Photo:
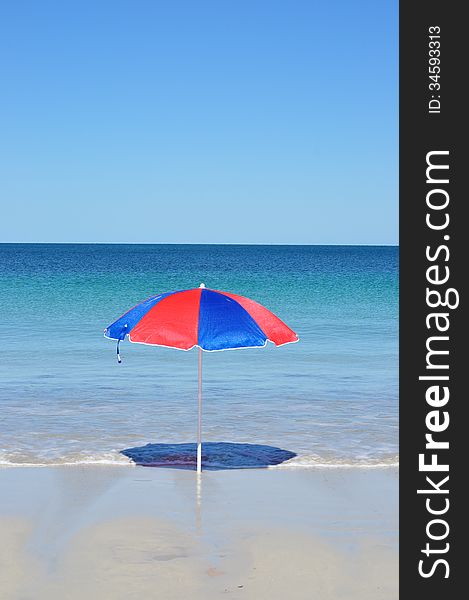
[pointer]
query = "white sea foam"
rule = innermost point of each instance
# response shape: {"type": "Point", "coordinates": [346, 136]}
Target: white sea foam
{"type": "Point", "coordinates": [118, 460]}
{"type": "Point", "coordinates": [309, 461]}
{"type": "Point", "coordinates": [315, 462]}
{"type": "Point", "coordinates": [27, 460]}
{"type": "Point", "coordinates": [112, 463]}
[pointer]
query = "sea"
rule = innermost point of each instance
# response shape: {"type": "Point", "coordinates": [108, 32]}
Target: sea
{"type": "Point", "coordinates": [328, 401]}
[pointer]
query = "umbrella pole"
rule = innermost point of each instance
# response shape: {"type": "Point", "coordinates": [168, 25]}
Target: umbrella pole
{"type": "Point", "coordinates": [199, 428]}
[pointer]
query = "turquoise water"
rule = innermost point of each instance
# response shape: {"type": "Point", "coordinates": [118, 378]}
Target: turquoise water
{"type": "Point", "coordinates": [331, 398]}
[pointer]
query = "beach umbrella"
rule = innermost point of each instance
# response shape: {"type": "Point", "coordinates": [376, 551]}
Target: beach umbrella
{"type": "Point", "coordinates": [209, 320]}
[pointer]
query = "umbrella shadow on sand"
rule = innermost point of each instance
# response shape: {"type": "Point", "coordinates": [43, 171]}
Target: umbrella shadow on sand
{"type": "Point", "coordinates": [215, 456]}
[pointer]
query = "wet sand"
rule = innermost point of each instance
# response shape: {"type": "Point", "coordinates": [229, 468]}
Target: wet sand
{"type": "Point", "coordinates": [134, 532]}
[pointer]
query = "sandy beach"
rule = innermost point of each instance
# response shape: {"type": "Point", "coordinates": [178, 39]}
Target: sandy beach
{"type": "Point", "coordinates": [135, 532]}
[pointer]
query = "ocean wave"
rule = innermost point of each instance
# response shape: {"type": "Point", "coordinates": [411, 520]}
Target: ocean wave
{"type": "Point", "coordinates": [118, 460]}
{"type": "Point", "coordinates": [16, 459]}
{"type": "Point", "coordinates": [91, 462]}
{"type": "Point", "coordinates": [314, 461]}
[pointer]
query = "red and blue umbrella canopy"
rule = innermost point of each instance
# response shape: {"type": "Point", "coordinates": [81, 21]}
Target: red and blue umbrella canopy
{"type": "Point", "coordinates": [204, 318]}
{"type": "Point", "coordinates": [207, 319]}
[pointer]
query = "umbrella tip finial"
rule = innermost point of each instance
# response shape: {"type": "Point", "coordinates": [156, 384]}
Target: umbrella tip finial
{"type": "Point", "coordinates": [202, 285]}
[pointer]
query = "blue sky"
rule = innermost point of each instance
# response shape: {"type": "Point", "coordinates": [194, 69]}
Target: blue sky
{"type": "Point", "coordinates": [248, 121]}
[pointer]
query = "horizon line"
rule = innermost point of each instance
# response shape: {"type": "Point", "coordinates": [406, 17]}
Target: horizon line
{"type": "Point", "coordinates": [389, 245]}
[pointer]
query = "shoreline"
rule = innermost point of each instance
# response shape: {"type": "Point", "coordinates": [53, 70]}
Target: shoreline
{"type": "Point", "coordinates": [5, 465]}
{"type": "Point", "coordinates": [95, 531]}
